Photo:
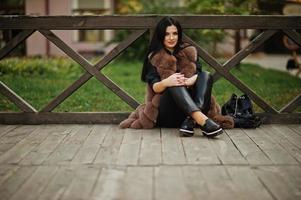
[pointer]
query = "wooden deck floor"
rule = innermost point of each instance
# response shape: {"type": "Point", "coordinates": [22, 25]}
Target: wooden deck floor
{"type": "Point", "coordinates": [105, 162]}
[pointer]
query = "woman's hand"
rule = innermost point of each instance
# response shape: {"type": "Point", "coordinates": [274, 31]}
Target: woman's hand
{"type": "Point", "coordinates": [190, 81]}
{"type": "Point", "coordinates": [176, 79]}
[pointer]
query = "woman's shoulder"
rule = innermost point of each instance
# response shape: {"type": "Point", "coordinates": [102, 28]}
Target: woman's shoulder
{"type": "Point", "coordinates": [190, 51]}
{"type": "Point", "coordinates": [155, 54]}
{"type": "Point", "coordinates": [187, 45]}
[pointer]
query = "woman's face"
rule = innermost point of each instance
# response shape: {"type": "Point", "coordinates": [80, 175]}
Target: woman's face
{"type": "Point", "coordinates": [171, 37]}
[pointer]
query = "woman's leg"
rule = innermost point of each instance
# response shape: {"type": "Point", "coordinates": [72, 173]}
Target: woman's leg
{"type": "Point", "coordinates": [202, 91]}
{"type": "Point", "coordinates": [199, 117]}
{"type": "Point", "coordinates": [184, 101]}
{"type": "Point", "coordinates": [170, 115]}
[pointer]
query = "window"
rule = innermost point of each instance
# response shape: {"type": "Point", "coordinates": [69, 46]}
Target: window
{"type": "Point", "coordinates": [89, 7]}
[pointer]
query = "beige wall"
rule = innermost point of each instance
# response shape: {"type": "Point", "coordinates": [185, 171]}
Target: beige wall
{"type": "Point", "coordinates": [37, 43]}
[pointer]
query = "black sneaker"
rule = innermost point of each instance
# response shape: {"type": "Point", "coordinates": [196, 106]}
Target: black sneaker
{"type": "Point", "coordinates": [186, 129]}
{"type": "Point", "coordinates": [211, 129]}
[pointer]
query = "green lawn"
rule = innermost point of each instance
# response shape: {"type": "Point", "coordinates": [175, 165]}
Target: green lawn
{"type": "Point", "coordinates": [38, 81]}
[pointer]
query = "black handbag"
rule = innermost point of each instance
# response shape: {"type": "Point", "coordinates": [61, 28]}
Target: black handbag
{"type": "Point", "coordinates": [241, 109]}
{"type": "Point", "coordinates": [291, 64]}
{"type": "Point", "coordinates": [238, 106]}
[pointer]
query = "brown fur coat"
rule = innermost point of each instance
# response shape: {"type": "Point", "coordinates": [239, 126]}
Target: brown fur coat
{"type": "Point", "coordinates": [166, 64]}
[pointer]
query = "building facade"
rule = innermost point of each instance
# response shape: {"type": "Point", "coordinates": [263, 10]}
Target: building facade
{"type": "Point", "coordinates": [83, 41]}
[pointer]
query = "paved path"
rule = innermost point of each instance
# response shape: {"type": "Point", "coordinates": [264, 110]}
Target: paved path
{"type": "Point", "coordinates": [271, 61]}
{"type": "Point", "coordinates": [105, 162]}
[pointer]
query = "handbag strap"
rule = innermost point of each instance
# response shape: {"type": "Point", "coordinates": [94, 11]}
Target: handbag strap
{"type": "Point", "coordinates": [236, 105]}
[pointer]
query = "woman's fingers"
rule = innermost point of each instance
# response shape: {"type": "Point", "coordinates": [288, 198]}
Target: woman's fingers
{"type": "Point", "coordinates": [176, 79]}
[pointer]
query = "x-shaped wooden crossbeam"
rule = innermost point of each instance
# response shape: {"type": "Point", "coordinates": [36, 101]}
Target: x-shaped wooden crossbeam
{"type": "Point", "coordinates": [94, 70]}
{"type": "Point", "coordinates": [224, 70]}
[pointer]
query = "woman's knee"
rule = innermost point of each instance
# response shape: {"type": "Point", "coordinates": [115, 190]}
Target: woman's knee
{"type": "Point", "coordinates": [205, 77]}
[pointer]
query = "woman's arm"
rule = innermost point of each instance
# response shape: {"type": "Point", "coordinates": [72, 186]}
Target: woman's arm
{"type": "Point", "coordinates": [176, 79]}
{"type": "Point", "coordinates": [191, 81]}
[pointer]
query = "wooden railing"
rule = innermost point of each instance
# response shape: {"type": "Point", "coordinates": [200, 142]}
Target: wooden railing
{"type": "Point", "coordinates": [141, 24]}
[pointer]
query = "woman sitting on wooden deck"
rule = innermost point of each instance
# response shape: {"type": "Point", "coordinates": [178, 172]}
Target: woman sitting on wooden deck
{"type": "Point", "coordinates": [178, 91]}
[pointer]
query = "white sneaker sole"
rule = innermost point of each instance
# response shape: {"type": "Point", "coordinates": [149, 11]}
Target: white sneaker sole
{"type": "Point", "coordinates": [186, 131]}
{"type": "Point", "coordinates": [214, 133]}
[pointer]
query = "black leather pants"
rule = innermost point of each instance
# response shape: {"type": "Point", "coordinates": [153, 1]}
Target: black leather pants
{"type": "Point", "coordinates": [202, 91]}
{"type": "Point", "coordinates": [177, 103]}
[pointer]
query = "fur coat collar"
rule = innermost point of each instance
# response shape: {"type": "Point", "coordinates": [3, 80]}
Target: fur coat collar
{"type": "Point", "coordinates": [168, 63]}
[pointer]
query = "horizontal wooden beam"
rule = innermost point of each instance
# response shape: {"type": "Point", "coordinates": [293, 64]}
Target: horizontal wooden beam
{"type": "Point", "coordinates": [63, 118]}
{"type": "Point", "coordinates": [113, 118]}
{"type": "Point", "coordinates": [281, 118]}
{"type": "Point", "coordinates": [148, 21]}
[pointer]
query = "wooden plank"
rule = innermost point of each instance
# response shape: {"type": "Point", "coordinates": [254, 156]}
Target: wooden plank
{"type": "Point", "coordinates": [248, 148]}
{"type": "Point", "coordinates": [92, 144]}
{"type": "Point", "coordinates": [170, 184]}
{"type": "Point", "coordinates": [151, 149]}
{"type": "Point", "coordinates": [14, 42]}
{"type": "Point", "coordinates": [4, 129]}
{"type": "Point", "coordinates": [11, 185]}
{"type": "Point", "coordinates": [293, 137]}
{"type": "Point", "coordinates": [60, 182]}
{"type": "Point", "coordinates": [227, 151]}
{"type": "Point", "coordinates": [113, 118]}
{"type": "Point", "coordinates": [198, 150]}
{"type": "Point", "coordinates": [109, 150]}
{"type": "Point", "coordinates": [5, 147]}
{"type": "Point", "coordinates": [292, 105]}
{"type": "Point", "coordinates": [89, 68]}
{"type": "Point", "coordinates": [39, 134]}
{"type": "Point", "coordinates": [99, 65]}
{"type": "Point", "coordinates": [35, 184]}
{"type": "Point", "coordinates": [68, 148]}
{"type": "Point", "coordinates": [40, 153]}
{"type": "Point", "coordinates": [273, 150]}
{"type": "Point", "coordinates": [16, 99]}
{"type": "Point", "coordinates": [276, 183]}
{"type": "Point", "coordinates": [148, 21]}
{"type": "Point", "coordinates": [172, 147]}
{"type": "Point", "coordinates": [6, 171]}
{"type": "Point", "coordinates": [138, 184]}
{"type": "Point", "coordinates": [218, 183]}
{"type": "Point", "coordinates": [195, 183]}
{"type": "Point", "coordinates": [295, 127]}
{"type": "Point", "coordinates": [15, 154]}
{"type": "Point", "coordinates": [292, 173]}
{"type": "Point", "coordinates": [130, 147]}
{"type": "Point", "coordinates": [21, 149]}
{"type": "Point", "coordinates": [63, 118]}
{"type": "Point", "coordinates": [246, 184]}
{"type": "Point", "coordinates": [16, 135]}
{"type": "Point", "coordinates": [82, 184]}
{"type": "Point", "coordinates": [278, 137]}
{"type": "Point", "coordinates": [109, 184]}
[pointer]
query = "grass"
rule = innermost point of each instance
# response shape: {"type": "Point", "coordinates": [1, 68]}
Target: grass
{"type": "Point", "coordinates": [277, 88]}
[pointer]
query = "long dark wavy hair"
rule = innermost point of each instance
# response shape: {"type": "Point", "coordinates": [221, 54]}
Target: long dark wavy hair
{"type": "Point", "coordinates": [158, 39]}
